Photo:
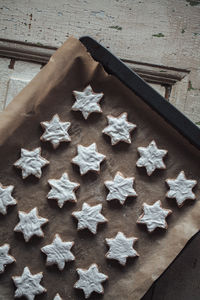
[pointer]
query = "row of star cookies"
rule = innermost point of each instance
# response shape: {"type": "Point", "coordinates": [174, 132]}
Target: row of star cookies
{"type": "Point", "coordinates": [118, 128]}
{"type": "Point", "coordinates": [87, 102]}
{"type": "Point", "coordinates": [120, 188]}
{"type": "Point", "coordinates": [29, 286]}
{"type": "Point", "coordinates": [59, 251]}
{"type": "Point", "coordinates": [56, 131]}
{"type": "Point", "coordinates": [31, 162]}
{"type": "Point", "coordinates": [89, 217]}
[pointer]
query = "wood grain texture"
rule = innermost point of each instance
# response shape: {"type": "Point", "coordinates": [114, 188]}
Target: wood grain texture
{"type": "Point", "coordinates": [166, 33]}
{"type": "Point", "coordinates": [129, 28]}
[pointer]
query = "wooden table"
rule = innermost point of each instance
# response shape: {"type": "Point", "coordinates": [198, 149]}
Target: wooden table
{"type": "Point", "coordinates": [159, 39]}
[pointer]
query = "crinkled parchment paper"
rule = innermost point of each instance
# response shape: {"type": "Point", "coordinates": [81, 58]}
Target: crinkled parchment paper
{"type": "Point", "coordinates": [72, 68]}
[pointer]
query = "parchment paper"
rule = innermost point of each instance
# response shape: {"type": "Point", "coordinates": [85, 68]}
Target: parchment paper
{"type": "Point", "coordinates": [72, 68]}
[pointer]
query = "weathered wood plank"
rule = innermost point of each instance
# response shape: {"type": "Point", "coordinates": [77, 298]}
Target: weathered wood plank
{"type": "Point", "coordinates": [165, 33]}
{"type": "Point", "coordinates": [12, 81]}
{"type": "Point", "coordinates": [5, 73]}
{"type": "Point", "coordinates": [22, 74]}
{"type": "Point", "coordinates": [160, 32]}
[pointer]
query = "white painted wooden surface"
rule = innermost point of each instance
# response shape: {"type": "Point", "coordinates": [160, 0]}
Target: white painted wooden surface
{"type": "Point", "coordinates": [5, 73]}
{"type": "Point", "coordinates": [166, 33]}
{"type": "Point", "coordinates": [12, 81]}
{"type": "Point", "coordinates": [125, 26]}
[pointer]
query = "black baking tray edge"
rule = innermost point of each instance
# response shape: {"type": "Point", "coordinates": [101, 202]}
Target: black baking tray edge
{"type": "Point", "coordinates": [116, 67]}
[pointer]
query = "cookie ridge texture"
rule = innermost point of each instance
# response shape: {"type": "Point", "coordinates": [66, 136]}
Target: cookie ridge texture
{"type": "Point", "coordinates": [151, 157]}
{"type": "Point", "coordinates": [62, 190]}
{"type": "Point", "coordinates": [89, 217]}
{"type": "Point", "coordinates": [88, 158]}
{"type": "Point", "coordinates": [28, 285]}
{"type": "Point", "coordinates": [5, 258]}
{"type": "Point", "coordinates": [181, 189]}
{"type": "Point", "coordinates": [56, 131]}
{"type": "Point", "coordinates": [30, 224]}
{"type": "Point", "coordinates": [58, 252]}
{"type": "Point", "coordinates": [87, 101]}
{"type": "Point", "coordinates": [31, 162]}
{"type": "Point", "coordinates": [119, 129]}
{"type": "Point", "coordinates": [154, 216]}
{"type": "Point", "coordinates": [120, 188]}
{"type": "Point", "coordinates": [90, 280]}
{"type": "Point", "coordinates": [6, 198]}
{"type": "Point", "coordinates": [121, 247]}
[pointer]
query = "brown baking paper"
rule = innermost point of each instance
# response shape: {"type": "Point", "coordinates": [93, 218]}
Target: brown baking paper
{"type": "Point", "coordinates": [50, 92]}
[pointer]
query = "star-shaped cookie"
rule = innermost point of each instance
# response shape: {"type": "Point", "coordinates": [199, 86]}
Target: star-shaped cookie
{"type": "Point", "coordinates": [31, 162]}
{"type": "Point", "coordinates": [30, 224]}
{"type": "Point", "coordinates": [154, 216]}
{"type": "Point", "coordinates": [88, 158]}
{"type": "Point", "coordinates": [151, 158]}
{"type": "Point", "coordinates": [89, 217]}
{"type": "Point", "coordinates": [121, 248]}
{"type": "Point", "coordinates": [181, 188]}
{"type": "Point", "coordinates": [28, 285]}
{"type": "Point", "coordinates": [119, 129]}
{"type": "Point", "coordinates": [6, 198]}
{"type": "Point", "coordinates": [58, 252]}
{"type": "Point", "coordinates": [55, 131]}
{"type": "Point", "coordinates": [62, 190]}
{"type": "Point", "coordinates": [90, 280]}
{"type": "Point", "coordinates": [57, 297]}
{"type": "Point", "coordinates": [120, 188]}
{"type": "Point", "coordinates": [87, 101]}
{"type": "Point", "coordinates": [5, 258]}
